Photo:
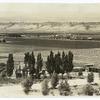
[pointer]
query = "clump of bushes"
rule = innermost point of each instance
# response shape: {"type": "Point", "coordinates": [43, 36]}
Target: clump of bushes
{"type": "Point", "coordinates": [54, 80]}
{"type": "Point", "coordinates": [90, 77]}
{"type": "Point", "coordinates": [88, 90]}
{"type": "Point", "coordinates": [27, 84]}
{"type": "Point", "coordinates": [5, 80]}
{"type": "Point", "coordinates": [64, 88]}
{"type": "Point", "coordinates": [45, 88]}
{"type": "Point", "coordinates": [97, 92]}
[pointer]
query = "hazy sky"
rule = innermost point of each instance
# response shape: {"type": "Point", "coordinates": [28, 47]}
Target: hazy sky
{"type": "Point", "coordinates": [49, 12]}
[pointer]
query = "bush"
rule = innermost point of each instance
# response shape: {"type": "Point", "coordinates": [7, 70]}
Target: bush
{"type": "Point", "coordinates": [45, 89]}
{"type": "Point", "coordinates": [64, 88]}
{"type": "Point", "coordinates": [97, 92]}
{"type": "Point", "coordinates": [3, 74]}
{"type": "Point", "coordinates": [80, 73]}
{"type": "Point", "coordinates": [54, 80]}
{"type": "Point", "coordinates": [88, 90]}
{"type": "Point", "coordinates": [99, 75]}
{"type": "Point", "coordinates": [6, 80]}
{"type": "Point", "coordinates": [90, 77]}
{"type": "Point", "coordinates": [27, 83]}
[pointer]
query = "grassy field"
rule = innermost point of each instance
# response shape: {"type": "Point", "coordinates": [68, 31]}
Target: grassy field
{"type": "Point", "coordinates": [55, 43]}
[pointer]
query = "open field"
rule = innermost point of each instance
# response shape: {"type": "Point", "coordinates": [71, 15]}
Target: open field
{"type": "Point", "coordinates": [54, 43]}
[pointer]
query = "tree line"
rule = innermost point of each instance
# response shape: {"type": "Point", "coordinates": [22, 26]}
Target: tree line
{"type": "Point", "coordinates": [58, 63]}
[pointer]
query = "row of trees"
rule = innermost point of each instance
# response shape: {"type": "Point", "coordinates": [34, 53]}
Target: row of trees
{"type": "Point", "coordinates": [34, 66]}
{"type": "Point", "coordinates": [58, 63]}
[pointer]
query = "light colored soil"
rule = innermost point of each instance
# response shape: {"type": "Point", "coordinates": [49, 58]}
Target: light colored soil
{"type": "Point", "coordinates": [76, 86]}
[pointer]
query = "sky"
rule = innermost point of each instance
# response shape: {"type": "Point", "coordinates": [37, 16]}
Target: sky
{"type": "Point", "coordinates": [37, 12]}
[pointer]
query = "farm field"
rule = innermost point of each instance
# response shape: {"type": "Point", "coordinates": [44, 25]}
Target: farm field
{"type": "Point", "coordinates": [89, 55]}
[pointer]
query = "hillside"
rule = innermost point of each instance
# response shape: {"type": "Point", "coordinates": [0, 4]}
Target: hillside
{"type": "Point", "coordinates": [58, 27]}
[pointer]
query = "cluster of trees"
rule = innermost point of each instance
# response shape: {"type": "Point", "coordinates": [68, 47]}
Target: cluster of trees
{"type": "Point", "coordinates": [59, 63]}
{"type": "Point", "coordinates": [30, 63]}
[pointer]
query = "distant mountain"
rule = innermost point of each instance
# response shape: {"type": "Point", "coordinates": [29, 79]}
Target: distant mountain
{"type": "Point", "coordinates": [58, 27]}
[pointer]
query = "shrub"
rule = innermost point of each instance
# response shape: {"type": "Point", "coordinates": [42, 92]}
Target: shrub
{"type": "Point", "coordinates": [97, 92]}
{"type": "Point", "coordinates": [45, 89]}
{"type": "Point", "coordinates": [64, 88]}
{"type": "Point", "coordinates": [3, 74]}
{"type": "Point", "coordinates": [7, 80]}
{"type": "Point", "coordinates": [88, 90]}
{"type": "Point", "coordinates": [99, 75]}
{"type": "Point", "coordinates": [80, 73]}
{"type": "Point", "coordinates": [27, 83]}
{"type": "Point", "coordinates": [54, 80]}
{"type": "Point", "coordinates": [90, 77]}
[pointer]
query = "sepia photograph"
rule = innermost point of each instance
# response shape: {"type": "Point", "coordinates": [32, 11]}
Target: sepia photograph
{"type": "Point", "coordinates": [49, 49]}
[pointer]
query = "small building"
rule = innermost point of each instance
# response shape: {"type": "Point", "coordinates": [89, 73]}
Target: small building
{"type": "Point", "coordinates": [92, 67]}
{"type": "Point", "coordinates": [77, 69]}
{"type": "Point", "coordinates": [88, 67]}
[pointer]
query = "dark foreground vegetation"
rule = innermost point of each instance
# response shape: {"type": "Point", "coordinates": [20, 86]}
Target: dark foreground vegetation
{"type": "Point", "coordinates": [35, 66]}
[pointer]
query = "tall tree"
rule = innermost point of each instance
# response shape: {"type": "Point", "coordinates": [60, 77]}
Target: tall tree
{"type": "Point", "coordinates": [66, 64]}
{"type": "Point", "coordinates": [29, 61]}
{"type": "Point", "coordinates": [33, 59]}
{"type": "Point", "coordinates": [70, 61]}
{"type": "Point", "coordinates": [63, 62]}
{"type": "Point", "coordinates": [50, 63]}
{"type": "Point", "coordinates": [26, 58]}
{"type": "Point", "coordinates": [39, 63]}
{"type": "Point", "coordinates": [32, 63]}
{"type": "Point", "coordinates": [10, 65]}
{"type": "Point", "coordinates": [63, 55]}
{"type": "Point", "coordinates": [58, 63]}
